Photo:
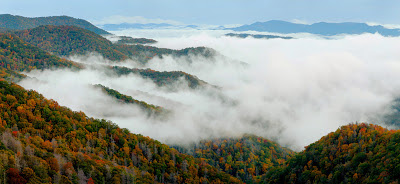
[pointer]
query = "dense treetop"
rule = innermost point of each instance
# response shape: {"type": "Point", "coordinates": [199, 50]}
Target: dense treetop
{"type": "Point", "coordinates": [129, 40]}
{"type": "Point", "coordinates": [247, 157]}
{"type": "Point", "coordinates": [17, 55]}
{"type": "Point", "coordinates": [161, 78]}
{"type": "Point", "coordinates": [356, 153]}
{"type": "Point", "coordinates": [71, 40]}
{"type": "Point", "coordinates": [10, 75]}
{"type": "Point", "coordinates": [152, 109]}
{"type": "Point", "coordinates": [44, 142]}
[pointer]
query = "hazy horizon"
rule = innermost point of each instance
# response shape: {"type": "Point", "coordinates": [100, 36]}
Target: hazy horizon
{"type": "Point", "coordinates": [222, 12]}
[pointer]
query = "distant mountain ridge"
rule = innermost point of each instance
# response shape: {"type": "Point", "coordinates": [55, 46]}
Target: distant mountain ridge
{"type": "Point", "coordinates": [116, 27]}
{"type": "Point", "coordinates": [321, 28]}
{"type": "Point", "coordinates": [257, 36]}
{"type": "Point", "coordinates": [15, 22]}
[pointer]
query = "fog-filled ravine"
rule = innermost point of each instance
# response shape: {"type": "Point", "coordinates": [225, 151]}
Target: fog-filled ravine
{"type": "Point", "coordinates": [293, 91]}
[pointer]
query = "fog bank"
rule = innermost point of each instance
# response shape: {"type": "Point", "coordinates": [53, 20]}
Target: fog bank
{"type": "Point", "coordinates": [292, 91]}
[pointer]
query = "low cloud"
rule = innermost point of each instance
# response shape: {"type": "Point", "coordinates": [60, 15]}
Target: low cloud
{"type": "Point", "coordinates": [292, 91]}
{"type": "Point", "coordinates": [299, 21]}
{"type": "Point", "coordinates": [388, 26]}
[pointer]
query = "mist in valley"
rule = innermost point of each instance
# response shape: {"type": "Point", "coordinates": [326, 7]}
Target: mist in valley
{"type": "Point", "coordinates": [291, 91]}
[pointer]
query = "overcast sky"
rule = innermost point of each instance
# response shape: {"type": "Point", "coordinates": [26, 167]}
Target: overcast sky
{"type": "Point", "coordinates": [215, 12]}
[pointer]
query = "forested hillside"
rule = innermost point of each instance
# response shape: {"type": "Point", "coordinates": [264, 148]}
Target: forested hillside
{"type": "Point", "coordinates": [152, 109]}
{"type": "Point", "coordinates": [43, 142]}
{"type": "Point", "coordinates": [356, 153]}
{"type": "Point", "coordinates": [71, 40]}
{"type": "Point", "coordinates": [247, 157]}
{"type": "Point", "coordinates": [144, 53]}
{"type": "Point", "coordinates": [17, 55]}
{"type": "Point", "coordinates": [11, 75]}
{"type": "Point", "coordinates": [162, 78]}
{"type": "Point", "coordinates": [15, 22]}
{"type": "Point", "coordinates": [129, 40]}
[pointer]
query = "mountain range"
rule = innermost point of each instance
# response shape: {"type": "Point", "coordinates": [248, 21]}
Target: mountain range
{"type": "Point", "coordinates": [42, 141]}
{"type": "Point", "coordinates": [258, 36]}
{"type": "Point", "coordinates": [321, 28]}
{"type": "Point", "coordinates": [122, 26]}
{"type": "Point", "coordinates": [71, 40]}
{"type": "Point", "coordinates": [274, 26]}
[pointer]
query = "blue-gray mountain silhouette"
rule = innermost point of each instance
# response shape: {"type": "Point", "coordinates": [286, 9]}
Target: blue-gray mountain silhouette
{"type": "Point", "coordinates": [321, 28]}
{"type": "Point", "coordinates": [122, 26]}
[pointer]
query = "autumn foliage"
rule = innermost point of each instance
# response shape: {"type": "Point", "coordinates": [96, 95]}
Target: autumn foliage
{"type": "Point", "coordinates": [41, 141]}
{"type": "Point", "coordinates": [17, 55]}
{"type": "Point", "coordinates": [72, 40]}
{"type": "Point", "coordinates": [247, 157]}
{"type": "Point", "coordinates": [356, 153]}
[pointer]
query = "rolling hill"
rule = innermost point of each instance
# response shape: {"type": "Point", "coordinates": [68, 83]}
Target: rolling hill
{"type": "Point", "coordinates": [161, 78]}
{"type": "Point", "coordinates": [247, 157]}
{"type": "Point", "coordinates": [356, 153]}
{"type": "Point", "coordinates": [15, 22]}
{"type": "Point", "coordinates": [17, 56]}
{"type": "Point", "coordinates": [130, 41]}
{"type": "Point", "coordinates": [43, 142]}
{"type": "Point", "coordinates": [151, 109]}
{"type": "Point", "coordinates": [72, 40]}
{"type": "Point", "coordinates": [321, 28]}
{"type": "Point", "coordinates": [258, 36]}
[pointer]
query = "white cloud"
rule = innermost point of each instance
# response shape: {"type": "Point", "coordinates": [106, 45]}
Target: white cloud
{"type": "Point", "coordinates": [388, 26]}
{"type": "Point", "coordinates": [298, 21]}
{"type": "Point", "coordinates": [118, 19]}
{"type": "Point", "coordinates": [293, 91]}
{"type": "Point", "coordinates": [232, 25]}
